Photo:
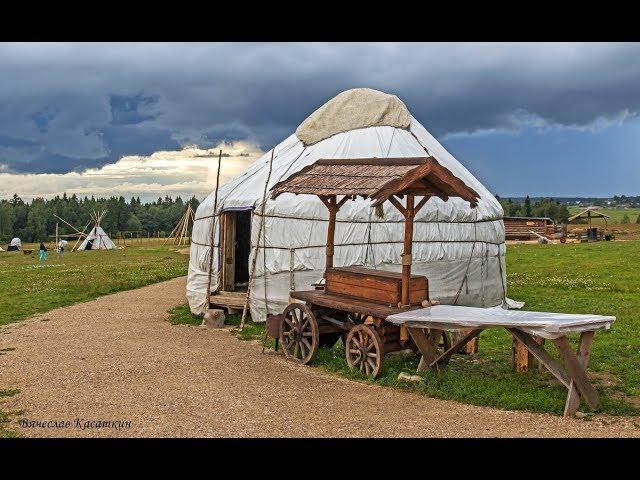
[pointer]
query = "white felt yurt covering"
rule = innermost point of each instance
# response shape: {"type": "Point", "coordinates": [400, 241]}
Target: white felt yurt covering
{"type": "Point", "coordinates": [100, 240]}
{"type": "Point", "coordinates": [461, 250]}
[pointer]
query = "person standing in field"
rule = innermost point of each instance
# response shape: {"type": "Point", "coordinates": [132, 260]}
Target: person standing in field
{"type": "Point", "coordinates": [43, 252]}
{"type": "Point", "coordinates": [61, 246]}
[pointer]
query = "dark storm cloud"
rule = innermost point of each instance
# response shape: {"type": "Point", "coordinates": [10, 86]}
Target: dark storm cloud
{"type": "Point", "coordinates": [72, 106]}
{"type": "Point", "coordinates": [126, 109]}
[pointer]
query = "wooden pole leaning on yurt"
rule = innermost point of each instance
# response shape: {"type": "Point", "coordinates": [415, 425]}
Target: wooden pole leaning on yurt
{"type": "Point", "coordinates": [213, 231]}
{"type": "Point", "coordinates": [255, 250]}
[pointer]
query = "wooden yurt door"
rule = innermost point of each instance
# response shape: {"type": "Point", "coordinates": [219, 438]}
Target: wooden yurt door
{"type": "Point", "coordinates": [228, 236]}
{"type": "Point", "coordinates": [235, 248]}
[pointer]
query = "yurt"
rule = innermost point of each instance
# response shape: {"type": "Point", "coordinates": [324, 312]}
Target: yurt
{"type": "Point", "coordinates": [461, 250]}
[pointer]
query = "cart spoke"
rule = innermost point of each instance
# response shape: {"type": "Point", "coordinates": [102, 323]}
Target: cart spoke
{"type": "Point", "coordinates": [288, 321]}
{"type": "Point", "coordinates": [304, 325]}
{"type": "Point", "coordinates": [305, 342]}
{"type": "Point", "coordinates": [371, 363]}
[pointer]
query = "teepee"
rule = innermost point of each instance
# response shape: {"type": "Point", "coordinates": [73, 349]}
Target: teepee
{"type": "Point", "coordinates": [97, 239]}
{"type": "Point", "coordinates": [181, 233]}
{"type": "Point", "coordinates": [461, 250]}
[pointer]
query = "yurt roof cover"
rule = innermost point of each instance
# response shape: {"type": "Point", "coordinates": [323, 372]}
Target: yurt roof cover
{"type": "Point", "coordinates": [351, 110]}
{"type": "Point", "coordinates": [378, 179]}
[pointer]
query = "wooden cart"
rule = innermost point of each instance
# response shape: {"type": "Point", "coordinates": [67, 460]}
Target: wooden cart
{"type": "Point", "coordinates": [356, 300]}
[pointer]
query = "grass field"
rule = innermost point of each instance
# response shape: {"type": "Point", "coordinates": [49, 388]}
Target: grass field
{"type": "Point", "coordinates": [598, 278]}
{"type": "Point", "coordinates": [28, 286]}
{"type": "Point", "coordinates": [594, 277]}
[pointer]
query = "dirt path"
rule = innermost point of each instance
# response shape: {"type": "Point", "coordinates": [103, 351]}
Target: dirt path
{"type": "Point", "coordinates": [116, 358]}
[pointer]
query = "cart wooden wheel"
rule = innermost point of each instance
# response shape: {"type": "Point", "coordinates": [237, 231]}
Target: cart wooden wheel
{"type": "Point", "coordinates": [299, 333]}
{"type": "Point", "coordinates": [364, 350]}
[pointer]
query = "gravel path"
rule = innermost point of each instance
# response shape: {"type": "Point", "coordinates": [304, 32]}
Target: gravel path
{"type": "Point", "coordinates": [118, 359]}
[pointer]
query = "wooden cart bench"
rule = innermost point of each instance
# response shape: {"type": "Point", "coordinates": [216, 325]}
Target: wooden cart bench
{"type": "Point", "coordinates": [426, 324]}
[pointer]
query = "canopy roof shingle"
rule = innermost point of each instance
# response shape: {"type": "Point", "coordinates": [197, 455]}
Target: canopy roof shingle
{"type": "Point", "coordinates": [378, 179]}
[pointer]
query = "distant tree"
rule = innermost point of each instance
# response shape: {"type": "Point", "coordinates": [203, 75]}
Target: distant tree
{"type": "Point", "coordinates": [133, 223]}
{"type": "Point", "coordinates": [35, 221]}
{"type": "Point", "coordinates": [527, 207]}
{"type": "Point", "coordinates": [6, 220]}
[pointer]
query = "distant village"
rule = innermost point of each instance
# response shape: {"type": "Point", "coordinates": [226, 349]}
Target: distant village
{"type": "Point", "coordinates": [617, 201]}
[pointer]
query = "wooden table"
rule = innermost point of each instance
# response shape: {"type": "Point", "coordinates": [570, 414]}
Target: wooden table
{"type": "Point", "coordinates": [426, 325]}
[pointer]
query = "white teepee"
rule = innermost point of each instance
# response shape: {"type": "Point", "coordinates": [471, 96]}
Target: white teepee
{"type": "Point", "coordinates": [461, 250]}
{"type": "Point", "coordinates": [97, 239]}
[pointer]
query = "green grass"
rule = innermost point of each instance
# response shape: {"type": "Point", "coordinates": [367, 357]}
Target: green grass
{"type": "Point", "coordinates": [601, 278]}
{"type": "Point", "coordinates": [28, 287]}
{"type": "Point", "coordinates": [5, 417]}
{"type": "Point", "coordinates": [181, 315]}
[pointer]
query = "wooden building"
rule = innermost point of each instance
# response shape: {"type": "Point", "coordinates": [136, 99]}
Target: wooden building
{"type": "Point", "coordinates": [526, 228]}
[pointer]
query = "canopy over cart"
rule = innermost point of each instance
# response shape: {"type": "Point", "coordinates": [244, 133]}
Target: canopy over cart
{"type": "Point", "coordinates": [357, 300]}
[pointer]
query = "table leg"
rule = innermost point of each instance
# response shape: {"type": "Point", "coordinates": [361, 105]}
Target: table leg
{"type": "Point", "coordinates": [584, 350]}
{"type": "Point", "coordinates": [542, 356]}
{"type": "Point", "coordinates": [444, 358]}
{"type": "Point", "coordinates": [427, 344]}
{"type": "Point", "coordinates": [577, 371]}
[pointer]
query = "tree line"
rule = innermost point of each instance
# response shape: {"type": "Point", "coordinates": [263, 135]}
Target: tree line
{"type": "Point", "coordinates": [545, 207]}
{"type": "Point", "coordinates": [35, 221]}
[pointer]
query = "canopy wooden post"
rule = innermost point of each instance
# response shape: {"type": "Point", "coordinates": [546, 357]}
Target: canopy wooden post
{"type": "Point", "coordinates": [331, 230]}
{"type": "Point", "coordinates": [406, 253]}
{"type": "Point", "coordinates": [332, 204]}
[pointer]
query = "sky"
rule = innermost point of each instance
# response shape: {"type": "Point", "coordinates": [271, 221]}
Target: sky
{"type": "Point", "coordinates": [544, 119]}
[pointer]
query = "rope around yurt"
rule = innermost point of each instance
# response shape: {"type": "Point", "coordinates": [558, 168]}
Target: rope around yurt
{"type": "Point", "coordinates": [255, 250]}
{"type": "Point", "coordinates": [213, 231]}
